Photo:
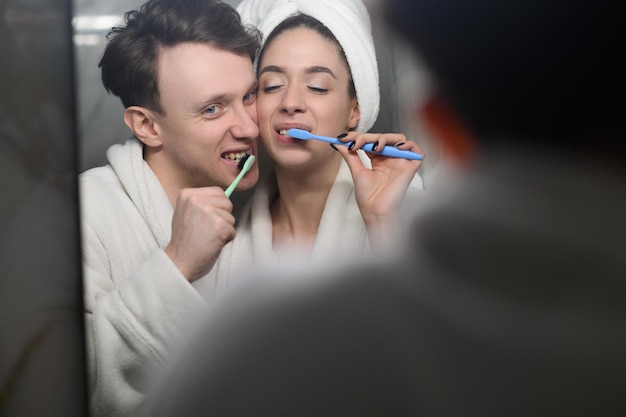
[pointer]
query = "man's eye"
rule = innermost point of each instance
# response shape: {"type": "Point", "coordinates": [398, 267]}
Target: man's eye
{"type": "Point", "coordinates": [212, 109]}
{"type": "Point", "coordinates": [250, 96]}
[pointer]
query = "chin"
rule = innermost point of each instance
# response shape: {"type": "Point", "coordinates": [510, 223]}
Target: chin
{"type": "Point", "coordinates": [248, 181]}
{"type": "Point", "coordinates": [292, 158]}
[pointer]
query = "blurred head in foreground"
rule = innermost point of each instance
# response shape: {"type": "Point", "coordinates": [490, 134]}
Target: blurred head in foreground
{"type": "Point", "coordinates": [508, 300]}
{"type": "Point", "coordinates": [536, 72]}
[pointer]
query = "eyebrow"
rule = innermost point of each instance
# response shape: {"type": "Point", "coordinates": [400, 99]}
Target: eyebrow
{"type": "Point", "coordinates": [310, 70]}
{"type": "Point", "coordinates": [224, 96]}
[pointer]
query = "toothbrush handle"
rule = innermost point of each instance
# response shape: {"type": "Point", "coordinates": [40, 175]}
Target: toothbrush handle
{"type": "Point", "coordinates": [234, 184]}
{"type": "Point", "coordinates": [386, 151]}
{"type": "Point", "coordinates": [393, 152]}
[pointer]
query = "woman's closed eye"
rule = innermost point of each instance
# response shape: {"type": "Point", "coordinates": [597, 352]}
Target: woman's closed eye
{"type": "Point", "coordinates": [317, 90]}
{"type": "Point", "coordinates": [271, 88]}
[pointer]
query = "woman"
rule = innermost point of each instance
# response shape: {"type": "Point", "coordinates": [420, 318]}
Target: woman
{"type": "Point", "coordinates": [317, 71]}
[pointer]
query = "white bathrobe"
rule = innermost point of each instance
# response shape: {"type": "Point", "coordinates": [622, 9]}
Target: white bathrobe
{"type": "Point", "coordinates": [137, 303]}
{"type": "Point", "coordinates": [136, 300]}
{"type": "Point", "coordinates": [342, 234]}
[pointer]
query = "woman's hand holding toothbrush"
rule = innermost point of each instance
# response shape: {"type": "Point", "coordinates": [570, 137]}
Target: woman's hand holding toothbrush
{"type": "Point", "coordinates": [380, 190]}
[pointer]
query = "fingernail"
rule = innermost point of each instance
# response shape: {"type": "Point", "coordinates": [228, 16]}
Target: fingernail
{"type": "Point", "coordinates": [375, 146]}
{"type": "Point", "coordinates": [343, 135]}
{"type": "Point", "coordinates": [400, 144]}
{"type": "Point", "coordinates": [351, 146]}
{"type": "Point", "coordinates": [334, 147]}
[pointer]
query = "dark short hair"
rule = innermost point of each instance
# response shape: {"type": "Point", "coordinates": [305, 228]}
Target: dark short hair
{"type": "Point", "coordinates": [309, 22]}
{"type": "Point", "coordinates": [522, 68]}
{"type": "Point", "coordinates": [129, 62]}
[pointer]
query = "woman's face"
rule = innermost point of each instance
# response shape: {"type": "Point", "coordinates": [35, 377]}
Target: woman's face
{"type": "Point", "coordinates": [303, 83]}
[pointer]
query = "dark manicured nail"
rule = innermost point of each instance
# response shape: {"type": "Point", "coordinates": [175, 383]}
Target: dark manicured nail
{"type": "Point", "coordinates": [375, 146]}
{"type": "Point", "coordinates": [343, 135]}
{"type": "Point", "coordinates": [351, 146]}
{"type": "Point", "coordinates": [334, 147]}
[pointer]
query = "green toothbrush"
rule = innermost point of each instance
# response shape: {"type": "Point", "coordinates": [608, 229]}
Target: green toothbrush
{"type": "Point", "coordinates": [247, 164]}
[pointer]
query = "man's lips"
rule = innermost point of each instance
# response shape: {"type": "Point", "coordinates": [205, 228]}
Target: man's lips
{"type": "Point", "coordinates": [235, 157]}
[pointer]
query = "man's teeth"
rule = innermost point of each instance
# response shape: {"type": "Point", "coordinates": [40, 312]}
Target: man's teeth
{"type": "Point", "coordinates": [235, 157]}
{"type": "Point", "coordinates": [284, 132]}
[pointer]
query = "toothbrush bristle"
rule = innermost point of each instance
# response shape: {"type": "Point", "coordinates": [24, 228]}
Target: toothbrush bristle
{"type": "Point", "coordinates": [242, 162]}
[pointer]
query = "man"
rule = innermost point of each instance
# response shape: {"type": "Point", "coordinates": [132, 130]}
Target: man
{"type": "Point", "coordinates": [156, 217]}
{"type": "Point", "coordinates": [509, 298]}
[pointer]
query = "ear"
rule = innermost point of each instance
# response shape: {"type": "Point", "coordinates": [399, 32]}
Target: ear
{"type": "Point", "coordinates": [456, 139]}
{"type": "Point", "coordinates": [355, 114]}
{"type": "Point", "coordinates": [142, 123]}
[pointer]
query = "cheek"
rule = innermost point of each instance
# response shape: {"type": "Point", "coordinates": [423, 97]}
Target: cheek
{"type": "Point", "coordinates": [253, 112]}
{"type": "Point", "coordinates": [171, 133]}
{"type": "Point", "coordinates": [333, 116]}
{"type": "Point", "coordinates": [265, 106]}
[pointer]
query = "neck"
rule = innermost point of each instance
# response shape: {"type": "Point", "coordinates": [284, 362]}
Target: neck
{"type": "Point", "coordinates": [168, 182]}
{"type": "Point", "coordinates": [299, 204]}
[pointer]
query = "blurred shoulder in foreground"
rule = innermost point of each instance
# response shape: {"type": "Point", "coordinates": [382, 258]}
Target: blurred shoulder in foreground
{"type": "Point", "coordinates": [508, 297]}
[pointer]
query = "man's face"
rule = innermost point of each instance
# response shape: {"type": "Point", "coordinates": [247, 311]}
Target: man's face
{"type": "Point", "coordinates": [209, 99]}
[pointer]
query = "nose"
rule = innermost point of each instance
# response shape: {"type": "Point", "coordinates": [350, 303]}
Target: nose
{"type": "Point", "coordinates": [292, 100]}
{"type": "Point", "coordinates": [245, 125]}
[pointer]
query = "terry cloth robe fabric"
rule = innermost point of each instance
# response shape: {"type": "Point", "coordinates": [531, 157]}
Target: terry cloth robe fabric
{"type": "Point", "coordinates": [136, 300]}
{"type": "Point", "coordinates": [341, 235]}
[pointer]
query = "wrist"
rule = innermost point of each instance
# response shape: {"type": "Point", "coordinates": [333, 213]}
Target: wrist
{"type": "Point", "coordinates": [172, 253]}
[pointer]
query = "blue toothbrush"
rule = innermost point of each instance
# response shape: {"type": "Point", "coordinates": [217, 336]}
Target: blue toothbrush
{"type": "Point", "coordinates": [387, 150]}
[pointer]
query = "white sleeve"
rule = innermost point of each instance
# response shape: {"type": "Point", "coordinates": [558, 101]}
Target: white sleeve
{"type": "Point", "coordinates": [131, 325]}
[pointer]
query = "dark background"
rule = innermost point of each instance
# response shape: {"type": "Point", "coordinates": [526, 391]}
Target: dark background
{"type": "Point", "coordinates": [42, 368]}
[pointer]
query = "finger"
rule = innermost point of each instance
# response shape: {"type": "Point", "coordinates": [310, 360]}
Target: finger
{"type": "Point", "coordinates": [378, 141]}
{"type": "Point", "coordinates": [356, 141]}
{"type": "Point", "coordinates": [352, 159]}
{"type": "Point", "coordinates": [219, 214]}
{"type": "Point", "coordinates": [214, 196]}
{"type": "Point", "coordinates": [392, 139]}
{"type": "Point", "coordinates": [225, 230]}
{"type": "Point", "coordinates": [346, 137]}
{"type": "Point", "coordinates": [383, 140]}
{"type": "Point", "coordinates": [411, 146]}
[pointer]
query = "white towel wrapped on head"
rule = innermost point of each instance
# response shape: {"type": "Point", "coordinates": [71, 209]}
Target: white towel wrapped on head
{"type": "Point", "coordinates": [349, 21]}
